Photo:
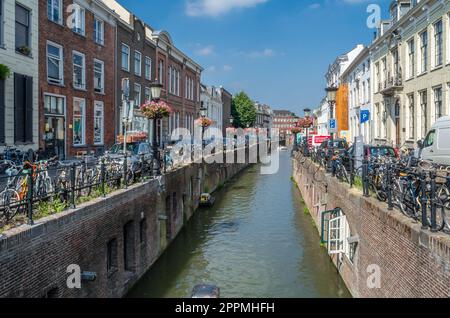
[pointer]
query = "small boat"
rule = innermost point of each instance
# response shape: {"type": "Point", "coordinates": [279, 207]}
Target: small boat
{"type": "Point", "coordinates": [205, 291]}
{"type": "Point", "coordinates": [207, 199]}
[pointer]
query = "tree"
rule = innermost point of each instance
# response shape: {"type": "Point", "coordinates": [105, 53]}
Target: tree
{"type": "Point", "coordinates": [243, 110]}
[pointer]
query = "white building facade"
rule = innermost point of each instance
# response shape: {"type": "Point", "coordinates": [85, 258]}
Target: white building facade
{"type": "Point", "coordinates": [19, 92]}
{"type": "Point", "coordinates": [358, 78]}
{"type": "Point", "coordinates": [211, 97]}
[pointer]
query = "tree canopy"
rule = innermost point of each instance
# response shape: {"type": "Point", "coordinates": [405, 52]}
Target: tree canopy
{"type": "Point", "coordinates": [243, 110]}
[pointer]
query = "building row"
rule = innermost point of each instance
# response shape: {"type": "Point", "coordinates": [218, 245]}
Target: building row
{"type": "Point", "coordinates": [69, 61]}
{"type": "Point", "coordinates": [401, 81]}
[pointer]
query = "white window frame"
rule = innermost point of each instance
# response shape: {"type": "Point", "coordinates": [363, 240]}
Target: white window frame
{"type": "Point", "coordinates": [99, 34]}
{"type": "Point", "coordinates": [448, 39]}
{"type": "Point", "coordinates": [161, 71]}
{"type": "Point", "coordinates": [59, 58]}
{"type": "Point", "coordinates": [338, 227]}
{"type": "Point", "coordinates": [147, 93]}
{"type": "Point", "coordinates": [424, 58]}
{"type": "Point", "coordinates": [127, 67]}
{"type": "Point", "coordinates": [83, 70]}
{"type": "Point", "coordinates": [137, 103]}
{"type": "Point", "coordinates": [148, 68]}
{"type": "Point", "coordinates": [137, 66]}
{"type": "Point", "coordinates": [411, 57]}
{"type": "Point", "coordinates": [102, 82]}
{"type": "Point", "coordinates": [52, 5]}
{"type": "Point", "coordinates": [439, 89]}
{"type": "Point", "coordinates": [79, 19]}
{"type": "Point", "coordinates": [98, 105]}
{"type": "Point", "coordinates": [440, 52]}
{"type": "Point", "coordinates": [83, 122]}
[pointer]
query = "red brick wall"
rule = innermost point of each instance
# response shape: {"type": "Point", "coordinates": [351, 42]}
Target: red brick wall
{"type": "Point", "coordinates": [62, 35]}
{"type": "Point", "coordinates": [413, 262]}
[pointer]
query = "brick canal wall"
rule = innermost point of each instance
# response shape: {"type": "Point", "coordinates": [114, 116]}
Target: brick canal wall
{"type": "Point", "coordinates": [412, 262]}
{"type": "Point", "coordinates": [118, 237]}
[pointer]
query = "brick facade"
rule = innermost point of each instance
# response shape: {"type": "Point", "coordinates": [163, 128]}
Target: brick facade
{"type": "Point", "coordinates": [414, 263]}
{"type": "Point", "coordinates": [70, 41]}
{"type": "Point", "coordinates": [34, 260]}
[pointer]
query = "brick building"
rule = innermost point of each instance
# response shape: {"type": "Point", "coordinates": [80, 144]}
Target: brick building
{"type": "Point", "coordinates": [227, 99]}
{"type": "Point", "coordinates": [77, 63]}
{"type": "Point", "coordinates": [284, 120]}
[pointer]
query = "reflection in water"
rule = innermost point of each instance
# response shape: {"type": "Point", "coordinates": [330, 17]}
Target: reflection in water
{"type": "Point", "coordinates": [255, 242]}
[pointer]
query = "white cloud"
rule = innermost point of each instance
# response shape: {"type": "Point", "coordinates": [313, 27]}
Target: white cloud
{"type": "Point", "coordinates": [258, 54]}
{"type": "Point", "coordinates": [210, 69]}
{"type": "Point", "coordinates": [314, 6]}
{"type": "Point", "coordinates": [205, 51]}
{"type": "Point", "coordinates": [214, 8]}
{"type": "Point", "coordinates": [227, 68]}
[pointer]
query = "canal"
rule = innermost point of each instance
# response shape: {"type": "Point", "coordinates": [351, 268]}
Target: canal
{"type": "Point", "coordinates": [255, 242]}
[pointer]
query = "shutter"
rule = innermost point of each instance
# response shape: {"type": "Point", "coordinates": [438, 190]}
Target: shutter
{"type": "Point", "coordinates": [28, 111]}
{"type": "Point", "coordinates": [19, 109]}
{"type": "Point", "coordinates": [2, 111]}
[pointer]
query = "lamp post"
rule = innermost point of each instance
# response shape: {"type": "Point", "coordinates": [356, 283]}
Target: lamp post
{"type": "Point", "coordinates": [307, 117]}
{"type": "Point", "coordinates": [127, 109]}
{"type": "Point", "coordinates": [203, 111]}
{"type": "Point", "coordinates": [331, 97]}
{"type": "Point", "coordinates": [156, 89]}
{"type": "Point", "coordinates": [231, 121]}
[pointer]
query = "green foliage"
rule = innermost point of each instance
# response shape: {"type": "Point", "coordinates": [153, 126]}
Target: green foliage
{"type": "Point", "coordinates": [357, 182]}
{"type": "Point", "coordinates": [306, 210]}
{"type": "Point", "coordinates": [243, 111]}
{"type": "Point", "coordinates": [5, 72]}
{"type": "Point", "coordinates": [47, 208]}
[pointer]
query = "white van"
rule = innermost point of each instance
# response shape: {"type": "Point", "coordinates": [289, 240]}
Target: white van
{"type": "Point", "coordinates": [436, 146]}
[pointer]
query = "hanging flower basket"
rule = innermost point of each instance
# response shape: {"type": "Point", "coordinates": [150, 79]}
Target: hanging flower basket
{"type": "Point", "coordinates": [305, 122]}
{"type": "Point", "coordinates": [156, 110]}
{"type": "Point", "coordinates": [204, 122]}
{"type": "Point", "coordinates": [296, 130]}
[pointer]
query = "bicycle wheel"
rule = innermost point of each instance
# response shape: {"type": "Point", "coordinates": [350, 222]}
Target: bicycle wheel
{"type": "Point", "coordinates": [398, 197]}
{"type": "Point", "coordinates": [8, 199]}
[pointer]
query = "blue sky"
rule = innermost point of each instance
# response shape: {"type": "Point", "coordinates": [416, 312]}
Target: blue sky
{"type": "Point", "coordinates": [276, 50]}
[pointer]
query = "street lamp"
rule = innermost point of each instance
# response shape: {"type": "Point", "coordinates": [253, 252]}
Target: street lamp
{"type": "Point", "coordinates": [307, 125]}
{"type": "Point", "coordinates": [231, 121]}
{"type": "Point", "coordinates": [156, 89]}
{"type": "Point", "coordinates": [331, 97]}
{"type": "Point", "coordinates": [203, 113]}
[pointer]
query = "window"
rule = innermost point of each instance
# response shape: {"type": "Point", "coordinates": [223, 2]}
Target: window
{"type": "Point", "coordinates": [22, 29]}
{"type": "Point", "coordinates": [54, 11]}
{"type": "Point", "coordinates": [438, 103]}
{"type": "Point", "coordinates": [424, 112]}
{"type": "Point", "coordinates": [377, 76]}
{"type": "Point", "coordinates": [111, 256]}
{"type": "Point", "coordinates": [78, 19]}
{"type": "Point", "coordinates": [161, 71]}
{"type": "Point", "coordinates": [79, 70]}
{"type": "Point", "coordinates": [411, 58]}
{"type": "Point", "coordinates": [23, 108]}
{"type": "Point", "coordinates": [125, 57]}
{"type": "Point", "coordinates": [1, 22]}
{"type": "Point", "coordinates": [337, 235]}
{"type": "Point", "coordinates": [99, 76]}
{"type": "Point", "coordinates": [137, 95]}
{"type": "Point", "coordinates": [54, 63]}
{"type": "Point", "coordinates": [148, 95]}
{"type": "Point", "coordinates": [54, 105]}
{"type": "Point", "coordinates": [429, 140]}
{"type": "Point", "coordinates": [438, 43]}
{"type": "Point", "coordinates": [148, 68]}
{"type": "Point", "coordinates": [137, 63]}
{"type": "Point", "coordinates": [79, 121]}
{"type": "Point", "coordinates": [98, 123]}
{"type": "Point", "coordinates": [99, 31]}
{"type": "Point", "coordinates": [412, 117]}
{"type": "Point", "coordinates": [424, 51]}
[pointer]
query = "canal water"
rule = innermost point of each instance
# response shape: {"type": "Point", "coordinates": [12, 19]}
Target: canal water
{"type": "Point", "coordinates": [255, 242]}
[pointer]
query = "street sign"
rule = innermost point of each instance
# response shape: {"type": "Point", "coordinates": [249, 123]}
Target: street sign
{"type": "Point", "coordinates": [364, 116]}
{"type": "Point", "coordinates": [332, 126]}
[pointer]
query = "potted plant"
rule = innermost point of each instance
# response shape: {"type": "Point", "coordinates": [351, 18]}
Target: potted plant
{"type": "Point", "coordinates": [296, 130]}
{"type": "Point", "coordinates": [156, 110]}
{"type": "Point", "coordinates": [5, 72]}
{"type": "Point", "coordinates": [25, 50]}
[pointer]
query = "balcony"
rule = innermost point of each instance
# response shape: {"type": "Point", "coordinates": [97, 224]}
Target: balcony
{"type": "Point", "coordinates": [390, 86]}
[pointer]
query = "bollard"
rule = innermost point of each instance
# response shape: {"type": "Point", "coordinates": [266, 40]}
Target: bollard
{"type": "Point", "coordinates": [142, 167]}
{"type": "Point", "coordinates": [125, 168]}
{"type": "Point", "coordinates": [103, 176]}
{"type": "Point", "coordinates": [72, 186]}
{"type": "Point", "coordinates": [30, 196]}
{"type": "Point", "coordinates": [423, 200]}
{"type": "Point", "coordinates": [433, 201]}
{"type": "Point", "coordinates": [365, 178]}
{"type": "Point", "coordinates": [389, 187]}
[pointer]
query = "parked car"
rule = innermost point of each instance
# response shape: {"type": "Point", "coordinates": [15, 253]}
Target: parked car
{"type": "Point", "coordinates": [137, 151]}
{"type": "Point", "coordinates": [337, 144]}
{"type": "Point", "coordinates": [369, 152]}
{"type": "Point", "coordinates": [436, 146]}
